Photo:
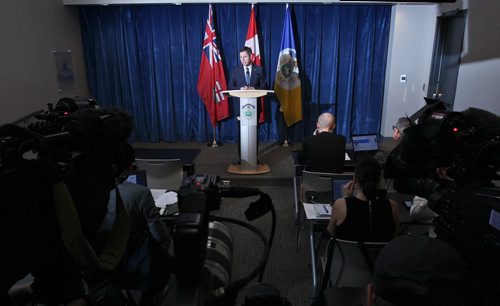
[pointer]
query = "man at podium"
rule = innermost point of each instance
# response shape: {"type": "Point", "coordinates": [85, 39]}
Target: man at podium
{"type": "Point", "coordinates": [246, 76]}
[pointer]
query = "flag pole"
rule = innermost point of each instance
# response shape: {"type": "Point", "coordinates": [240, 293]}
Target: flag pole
{"type": "Point", "coordinates": [214, 143]}
{"type": "Point", "coordinates": [287, 143]}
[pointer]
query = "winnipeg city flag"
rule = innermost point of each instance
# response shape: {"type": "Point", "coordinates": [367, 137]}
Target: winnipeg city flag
{"type": "Point", "coordinates": [287, 83]}
{"type": "Point", "coordinates": [252, 41]}
{"type": "Point", "coordinates": [211, 78]}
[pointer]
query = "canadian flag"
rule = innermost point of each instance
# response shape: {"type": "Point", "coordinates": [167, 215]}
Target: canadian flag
{"type": "Point", "coordinates": [252, 41]}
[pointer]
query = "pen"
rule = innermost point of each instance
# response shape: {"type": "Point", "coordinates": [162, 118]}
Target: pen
{"type": "Point", "coordinates": [325, 208]}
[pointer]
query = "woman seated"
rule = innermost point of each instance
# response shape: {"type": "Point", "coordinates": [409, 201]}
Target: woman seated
{"type": "Point", "coordinates": [362, 215]}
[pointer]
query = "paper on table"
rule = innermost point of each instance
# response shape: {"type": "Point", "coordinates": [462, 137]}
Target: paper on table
{"type": "Point", "coordinates": [157, 193]}
{"type": "Point", "coordinates": [168, 198]}
{"type": "Point", "coordinates": [163, 198]}
{"type": "Point", "coordinates": [323, 210]}
{"type": "Point", "coordinates": [311, 213]}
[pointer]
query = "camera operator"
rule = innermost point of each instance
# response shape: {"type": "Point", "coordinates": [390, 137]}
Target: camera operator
{"type": "Point", "coordinates": [467, 145]}
{"type": "Point", "coordinates": [145, 265]}
{"type": "Point", "coordinates": [55, 203]}
{"type": "Point", "coordinates": [400, 127]}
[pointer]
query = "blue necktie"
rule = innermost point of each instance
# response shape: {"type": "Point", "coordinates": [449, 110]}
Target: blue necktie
{"type": "Point", "coordinates": [247, 76]}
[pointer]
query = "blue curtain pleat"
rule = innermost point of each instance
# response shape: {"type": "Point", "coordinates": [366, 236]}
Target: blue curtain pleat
{"type": "Point", "coordinates": [145, 60]}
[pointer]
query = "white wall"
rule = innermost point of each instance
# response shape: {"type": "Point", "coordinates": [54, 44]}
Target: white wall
{"type": "Point", "coordinates": [30, 30]}
{"type": "Point", "coordinates": [478, 83]}
{"type": "Point", "coordinates": [410, 52]}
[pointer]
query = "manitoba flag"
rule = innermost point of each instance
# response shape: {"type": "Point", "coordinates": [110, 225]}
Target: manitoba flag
{"type": "Point", "coordinates": [211, 79]}
{"type": "Point", "coordinates": [252, 41]}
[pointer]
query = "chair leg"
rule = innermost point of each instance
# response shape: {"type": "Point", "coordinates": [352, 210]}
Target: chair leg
{"type": "Point", "coordinates": [299, 230]}
{"type": "Point", "coordinates": [296, 201]}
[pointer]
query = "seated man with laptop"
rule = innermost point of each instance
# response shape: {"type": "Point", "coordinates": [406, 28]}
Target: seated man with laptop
{"type": "Point", "coordinates": [324, 151]}
{"type": "Point", "coordinates": [363, 145]}
{"type": "Point", "coordinates": [146, 261]}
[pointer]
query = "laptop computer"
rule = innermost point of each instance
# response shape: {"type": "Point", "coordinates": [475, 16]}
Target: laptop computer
{"type": "Point", "coordinates": [138, 177]}
{"type": "Point", "coordinates": [338, 184]}
{"type": "Point", "coordinates": [364, 145]}
{"type": "Point", "coordinates": [325, 199]}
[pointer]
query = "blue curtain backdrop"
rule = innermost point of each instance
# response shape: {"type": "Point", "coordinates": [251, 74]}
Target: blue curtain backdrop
{"type": "Point", "coordinates": [145, 60]}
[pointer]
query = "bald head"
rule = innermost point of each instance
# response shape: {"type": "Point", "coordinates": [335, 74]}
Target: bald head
{"type": "Point", "coordinates": [326, 122]}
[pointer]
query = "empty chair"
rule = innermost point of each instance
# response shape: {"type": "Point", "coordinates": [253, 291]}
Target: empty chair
{"type": "Point", "coordinates": [349, 263]}
{"type": "Point", "coordinates": [319, 182]}
{"type": "Point", "coordinates": [162, 173]}
{"type": "Point", "coordinates": [322, 182]}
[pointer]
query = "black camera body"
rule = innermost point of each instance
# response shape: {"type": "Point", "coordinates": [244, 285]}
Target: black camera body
{"type": "Point", "coordinates": [203, 245]}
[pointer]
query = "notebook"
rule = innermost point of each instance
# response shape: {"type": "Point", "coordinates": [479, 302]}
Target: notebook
{"type": "Point", "coordinates": [323, 210]}
{"type": "Point", "coordinates": [364, 145]}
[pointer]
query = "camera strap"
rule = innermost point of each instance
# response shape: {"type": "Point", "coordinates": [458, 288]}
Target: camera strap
{"type": "Point", "coordinates": [75, 241]}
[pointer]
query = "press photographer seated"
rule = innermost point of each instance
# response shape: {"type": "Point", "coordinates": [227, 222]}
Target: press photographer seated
{"type": "Point", "coordinates": [361, 215]}
{"type": "Point", "coordinates": [145, 265]}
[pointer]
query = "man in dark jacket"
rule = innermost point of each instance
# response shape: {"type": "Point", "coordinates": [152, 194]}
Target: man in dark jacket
{"type": "Point", "coordinates": [324, 151]}
{"type": "Point", "coordinates": [246, 77]}
{"type": "Point", "coordinates": [146, 261]}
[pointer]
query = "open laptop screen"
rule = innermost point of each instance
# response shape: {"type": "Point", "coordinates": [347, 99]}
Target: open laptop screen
{"type": "Point", "coordinates": [366, 142]}
{"type": "Point", "coordinates": [338, 183]}
{"type": "Point", "coordinates": [138, 177]}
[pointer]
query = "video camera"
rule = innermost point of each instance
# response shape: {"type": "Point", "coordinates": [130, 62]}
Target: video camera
{"type": "Point", "coordinates": [467, 146]}
{"type": "Point", "coordinates": [76, 143]}
{"type": "Point", "coordinates": [203, 244]}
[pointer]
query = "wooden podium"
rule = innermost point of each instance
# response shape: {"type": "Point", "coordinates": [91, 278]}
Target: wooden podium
{"type": "Point", "coordinates": [248, 132]}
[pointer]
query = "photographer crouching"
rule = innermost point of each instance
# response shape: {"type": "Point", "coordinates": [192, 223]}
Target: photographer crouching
{"type": "Point", "coordinates": [53, 203]}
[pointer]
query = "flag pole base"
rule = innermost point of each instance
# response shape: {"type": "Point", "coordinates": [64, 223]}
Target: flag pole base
{"type": "Point", "coordinates": [214, 144]}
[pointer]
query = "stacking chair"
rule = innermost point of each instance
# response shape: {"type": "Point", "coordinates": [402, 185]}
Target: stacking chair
{"type": "Point", "coordinates": [162, 173]}
{"type": "Point", "coordinates": [318, 182]}
{"type": "Point", "coordinates": [348, 269]}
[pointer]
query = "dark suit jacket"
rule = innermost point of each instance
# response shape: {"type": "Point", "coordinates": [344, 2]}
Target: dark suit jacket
{"type": "Point", "coordinates": [257, 78]}
{"type": "Point", "coordinates": [324, 152]}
